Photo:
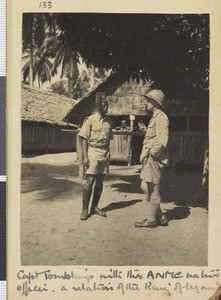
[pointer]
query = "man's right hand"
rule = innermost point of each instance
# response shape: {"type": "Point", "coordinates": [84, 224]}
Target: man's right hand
{"type": "Point", "coordinates": [144, 154]}
{"type": "Point", "coordinates": [142, 157]}
{"type": "Point", "coordinates": [86, 161]}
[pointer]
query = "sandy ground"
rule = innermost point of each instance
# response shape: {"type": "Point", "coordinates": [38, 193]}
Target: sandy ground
{"type": "Point", "coordinates": [52, 233]}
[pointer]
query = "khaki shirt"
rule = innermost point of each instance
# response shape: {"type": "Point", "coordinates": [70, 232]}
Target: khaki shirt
{"type": "Point", "coordinates": [156, 137]}
{"type": "Point", "coordinates": [97, 130]}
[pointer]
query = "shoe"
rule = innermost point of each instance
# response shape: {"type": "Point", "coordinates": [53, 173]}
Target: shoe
{"type": "Point", "coordinates": [84, 214]}
{"type": "Point", "coordinates": [146, 223]}
{"type": "Point", "coordinates": [163, 220]}
{"type": "Point", "coordinates": [98, 211]}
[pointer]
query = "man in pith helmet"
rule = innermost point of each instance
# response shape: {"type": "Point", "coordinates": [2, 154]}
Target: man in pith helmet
{"type": "Point", "coordinates": [154, 158]}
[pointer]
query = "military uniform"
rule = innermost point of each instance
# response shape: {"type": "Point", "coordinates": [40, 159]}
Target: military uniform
{"type": "Point", "coordinates": [98, 132]}
{"type": "Point", "coordinates": [155, 148]}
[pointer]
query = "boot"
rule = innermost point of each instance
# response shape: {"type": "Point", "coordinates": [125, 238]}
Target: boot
{"type": "Point", "coordinates": [98, 211]}
{"type": "Point", "coordinates": [84, 214]}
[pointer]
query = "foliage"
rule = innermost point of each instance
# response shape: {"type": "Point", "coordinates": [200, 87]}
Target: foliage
{"type": "Point", "coordinates": [60, 87]}
{"type": "Point", "coordinates": [65, 57]}
{"type": "Point", "coordinates": [41, 66]}
{"type": "Point", "coordinates": [82, 86]}
{"type": "Point", "coordinates": [37, 28]}
{"type": "Point", "coordinates": [79, 89]}
{"type": "Point", "coordinates": [172, 50]}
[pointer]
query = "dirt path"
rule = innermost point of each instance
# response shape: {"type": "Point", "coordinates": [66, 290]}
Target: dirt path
{"type": "Point", "coordinates": [52, 233]}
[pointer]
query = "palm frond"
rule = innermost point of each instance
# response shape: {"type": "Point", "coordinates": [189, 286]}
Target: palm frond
{"type": "Point", "coordinates": [58, 60]}
{"type": "Point", "coordinates": [38, 30]}
{"type": "Point", "coordinates": [26, 65]}
{"type": "Point", "coordinates": [26, 72]}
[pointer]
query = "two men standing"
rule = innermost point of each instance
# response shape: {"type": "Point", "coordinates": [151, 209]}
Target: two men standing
{"type": "Point", "coordinates": [96, 133]}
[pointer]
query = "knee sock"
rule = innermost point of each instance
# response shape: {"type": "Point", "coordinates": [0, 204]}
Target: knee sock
{"type": "Point", "coordinates": [159, 212]}
{"type": "Point", "coordinates": [144, 188]}
{"type": "Point", "coordinates": [97, 194]}
{"type": "Point", "coordinates": [153, 212]}
{"type": "Point", "coordinates": [86, 197]}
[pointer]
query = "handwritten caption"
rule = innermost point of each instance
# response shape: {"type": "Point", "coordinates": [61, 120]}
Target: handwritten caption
{"type": "Point", "coordinates": [118, 280]}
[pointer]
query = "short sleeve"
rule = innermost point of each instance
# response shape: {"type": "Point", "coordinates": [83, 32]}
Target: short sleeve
{"type": "Point", "coordinates": [85, 131]}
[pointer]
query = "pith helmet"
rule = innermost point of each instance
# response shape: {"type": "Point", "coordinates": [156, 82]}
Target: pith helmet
{"type": "Point", "coordinates": [157, 96]}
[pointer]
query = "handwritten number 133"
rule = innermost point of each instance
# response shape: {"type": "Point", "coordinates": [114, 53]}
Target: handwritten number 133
{"type": "Point", "coordinates": [45, 4]}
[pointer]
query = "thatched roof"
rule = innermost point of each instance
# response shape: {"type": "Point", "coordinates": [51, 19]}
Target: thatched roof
{"type": "Point", "coordinates": [43, 106]}
{"type": "Point", "coordinates": [124, 98]}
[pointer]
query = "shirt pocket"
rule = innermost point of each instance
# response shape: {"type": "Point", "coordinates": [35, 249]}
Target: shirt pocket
{"type": "Point", "coordinates": [96, 131]}
{"type": "Point", "coordinates": [96, 126]}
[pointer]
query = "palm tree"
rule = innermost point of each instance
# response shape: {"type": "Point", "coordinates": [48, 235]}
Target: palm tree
{"type": "Point", "coordinates": [67, 59]}
{"type": "Point", "coordinates": [92, 76]}
{"type": "Point", "coordinates": [36, 27]}
{"type": "Point", "coordinates": [37, 66]}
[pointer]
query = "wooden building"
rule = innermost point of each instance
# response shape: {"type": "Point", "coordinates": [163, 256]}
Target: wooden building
{"type": "Point", "coordinates": [124, 99]}
{"type": "Point", "coordinates": [188, 119]}
{"type": "Point", "coordinates": [42, 122]}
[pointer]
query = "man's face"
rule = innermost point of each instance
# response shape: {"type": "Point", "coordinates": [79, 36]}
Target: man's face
{"type": "Point", "coordinates": [149, 104]}
{"type": "Point", "coordinates": [104, 107]}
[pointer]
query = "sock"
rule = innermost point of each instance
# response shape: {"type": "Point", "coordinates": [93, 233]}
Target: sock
{"type": "Point", "coordinates": [86, 198]}
{"type": "Point", "coordinates": [153, 212]}
{"type": "Point", "coordinates": [159, 212]}
{"type": "Point", "coordinates": [97, 194]}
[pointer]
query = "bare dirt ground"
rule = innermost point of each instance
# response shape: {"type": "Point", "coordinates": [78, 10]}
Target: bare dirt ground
{"type": "Point", "coordinates": [52, 233]}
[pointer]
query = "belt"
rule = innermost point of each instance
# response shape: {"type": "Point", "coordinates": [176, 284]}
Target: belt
{"type": "Point", "coordinates": [99, 147]}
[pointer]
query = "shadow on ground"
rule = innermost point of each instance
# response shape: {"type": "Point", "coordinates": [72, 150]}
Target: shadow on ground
{"type": "Point", "coordinates": [120, 204]}
{"type": "Point", "coordinates": [181, 188]}
{"type": "Point", "coordinates": [48, 181]}
{"type": "Point", "coordinates": [178, 213]}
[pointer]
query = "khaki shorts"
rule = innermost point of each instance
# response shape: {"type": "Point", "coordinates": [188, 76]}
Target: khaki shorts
{"type": "Point", "coordinates": [99, 161]}
{"type": "Point", "coordinates": [151, 170]}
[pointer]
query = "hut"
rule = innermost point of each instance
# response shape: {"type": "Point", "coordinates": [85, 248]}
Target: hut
{"type": "Point", "coordinates": [123, 96]}
{"type": "Point", "coordinates": [43, 128]}
{"type": "Point", "coordinates": [188, 119]}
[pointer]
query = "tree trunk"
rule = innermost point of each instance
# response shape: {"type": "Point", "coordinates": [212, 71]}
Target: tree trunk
{"type": "Point", "coordinates": [72, 76]}
{"type": "Point", "coordinates": [31, 81]}
{"type": "Point", "coordinates": [92, 77]}
{"type": "Point", "coordinates": [69, 87]}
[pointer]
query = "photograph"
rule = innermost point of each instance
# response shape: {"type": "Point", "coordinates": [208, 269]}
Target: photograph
{"type": "Point", "coordinates": [114, 158]}
{"type": "Point", "coordinates": [113, 164]}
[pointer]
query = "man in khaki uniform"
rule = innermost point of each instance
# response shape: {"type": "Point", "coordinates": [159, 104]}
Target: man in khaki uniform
{"type": "Point", "coordinates": [154, 158]}
{"type": "Point", "coordinates": [96, 133]}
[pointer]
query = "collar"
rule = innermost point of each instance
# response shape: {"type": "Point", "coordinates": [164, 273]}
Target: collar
{"type": "Point", "coordinates": [155, 113]}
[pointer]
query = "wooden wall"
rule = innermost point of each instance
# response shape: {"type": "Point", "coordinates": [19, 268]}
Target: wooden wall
{"type": "Point", "coordinates": [120, 148]}
{"type": "Point", "coordinates": [187, 147]}
{"type": "Point", "coordinates": [45, 138]}
{"type": "Point", "coordinates": [184, 147]}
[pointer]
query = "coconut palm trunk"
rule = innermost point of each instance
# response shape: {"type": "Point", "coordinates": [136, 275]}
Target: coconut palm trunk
{"type": "Point", "coordinates": [92, 77]}
{"type": "Point", "coordinates": [70, 88]}
{"type": "Point", "coordinates": [31, 73]}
